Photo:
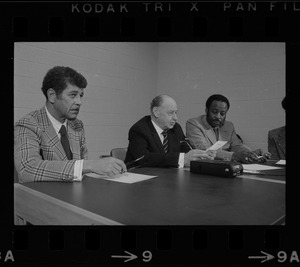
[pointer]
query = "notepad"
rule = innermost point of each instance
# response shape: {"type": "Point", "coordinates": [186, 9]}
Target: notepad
{"type": "Point", "coordinates": [258, 167]}
{"type": "Point", "coordinates": [127, 177]}
{"type": "Point", "coordinates": [216, 145]}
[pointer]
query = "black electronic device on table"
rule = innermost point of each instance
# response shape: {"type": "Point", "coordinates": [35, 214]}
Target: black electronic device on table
{"type": "Point", "coordinates": [217, 168]}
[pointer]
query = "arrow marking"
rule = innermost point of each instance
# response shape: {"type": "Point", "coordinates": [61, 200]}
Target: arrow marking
{"type": "Point", "coordinates": [267, 257]}
{"type": "Point", "coordinates": [128, 257]}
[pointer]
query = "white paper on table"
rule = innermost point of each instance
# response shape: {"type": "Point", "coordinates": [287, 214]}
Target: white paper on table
{"type": "Point", "coordinates": [127, 177]}
{"type": "Point", "coordinates": [216, 145]}
{"type": "Point", "coordinates": [258, 167]}
{"type": "Point", "coordinates": [281, 162]}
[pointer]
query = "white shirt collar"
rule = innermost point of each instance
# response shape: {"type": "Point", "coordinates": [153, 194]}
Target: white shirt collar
{"type": "Point", "coordinates": [56, 124]}
{"type": "Point", "coordinates": [157, 128]}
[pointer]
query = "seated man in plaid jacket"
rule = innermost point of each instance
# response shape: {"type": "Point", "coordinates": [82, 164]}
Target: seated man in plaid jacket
{"type": "Point", "coordinates": [49, 143]}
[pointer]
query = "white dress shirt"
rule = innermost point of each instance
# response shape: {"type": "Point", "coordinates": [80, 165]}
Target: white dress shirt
{"type": "Point", "coordinates": [78, 163]}
{"type": "Point", "coordinates": [159, 132]}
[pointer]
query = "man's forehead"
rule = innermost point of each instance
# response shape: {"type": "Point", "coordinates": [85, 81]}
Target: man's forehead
{"type": "Point", "coordinates": [219, 104]}
{"type": "Point", "coordinates": [71, 87]}
{"type": "Point", "coordinates": [169, 104]}
{"type": "Point", "coordinates": [169, 107]}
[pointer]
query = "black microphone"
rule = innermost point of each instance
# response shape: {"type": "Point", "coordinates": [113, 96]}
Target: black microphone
{"type": "Point", "coordinates": [192, 143]}
{"type": "Point", "coordinates": [133, 161]}
{"type": "Point", "coordinates": [187, 140]}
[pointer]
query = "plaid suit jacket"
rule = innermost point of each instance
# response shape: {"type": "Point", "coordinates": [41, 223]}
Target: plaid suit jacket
{"type": "Point", "coordinates": [38, 153]}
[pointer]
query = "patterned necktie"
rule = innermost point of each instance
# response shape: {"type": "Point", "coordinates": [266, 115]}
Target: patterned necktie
{"type": "Point", "coordinates": [65, 142]}
{"type": "Point", "coordinates": [165, 142]}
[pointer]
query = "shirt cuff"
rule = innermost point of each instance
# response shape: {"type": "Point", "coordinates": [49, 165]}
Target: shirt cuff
{"type": "Point", "coordinates": [78, 170]}
{"type": "Point", "coordinates": [181, 160]}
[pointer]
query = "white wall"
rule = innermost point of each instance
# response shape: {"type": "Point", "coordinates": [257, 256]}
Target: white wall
{"type": "Point", "coordinates": [124, 77]}
{"type": "Point", "coordinates": [122, 80]}
{"type": "Point", "coordinates": [250, 75]}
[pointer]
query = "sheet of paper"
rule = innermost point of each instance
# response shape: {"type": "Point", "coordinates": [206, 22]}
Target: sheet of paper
{"type": "Point", "coordinates": [281, 162]}
{"type": "Point", "coordinates": [216, 145]}
{"type": "Point", "coordinates": [127, 177]}
{"type": "Point", "coordinates": [258, 167]}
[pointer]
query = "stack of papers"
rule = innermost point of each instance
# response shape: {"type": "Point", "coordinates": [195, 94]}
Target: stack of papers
{"type": "Point", "coordinates": [259, 167]}
{"type": "Point", "coordinates": [256, 168]}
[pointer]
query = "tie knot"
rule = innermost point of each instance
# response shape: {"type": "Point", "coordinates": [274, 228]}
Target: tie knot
{"type": "Point", "coordinates": [165, 133]}
{"type": "Point", "coordinates": [63, 130]}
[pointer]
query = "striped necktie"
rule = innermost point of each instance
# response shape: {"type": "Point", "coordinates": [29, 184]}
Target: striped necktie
{"type": "Point", "coordinates": [165, 141]}
{"type": "Point", "coordinates": [65, 142]}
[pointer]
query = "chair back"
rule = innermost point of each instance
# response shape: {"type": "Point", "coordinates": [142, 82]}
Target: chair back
{"type": "Point", "coordinates": [119, 153]}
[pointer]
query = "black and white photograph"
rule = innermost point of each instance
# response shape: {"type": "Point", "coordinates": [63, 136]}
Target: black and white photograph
{"type": "Point", "coordinates": [149, 133]}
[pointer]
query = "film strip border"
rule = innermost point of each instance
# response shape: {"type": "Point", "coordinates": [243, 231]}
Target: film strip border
{"type": "Point", "coordinates": [151, 245]}
{"type": "Point", "coordinates": [153, 21]}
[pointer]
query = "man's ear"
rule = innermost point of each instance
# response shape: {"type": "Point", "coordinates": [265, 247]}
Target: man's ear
{"type": "Point", "coordinates": [155, 112]}
{"type": "Point", "coordinates": [51, 95]}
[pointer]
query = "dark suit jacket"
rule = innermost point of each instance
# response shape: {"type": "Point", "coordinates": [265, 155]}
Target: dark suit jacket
{"type": "Point", "coordinates": [144, 140]}
{"type": "Point", "coordinates": [276, 143]}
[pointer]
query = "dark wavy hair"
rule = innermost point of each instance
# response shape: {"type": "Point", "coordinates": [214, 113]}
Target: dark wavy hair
{"type": "Point", "coordinates": [217, 97]}
{"type": "Point", "coordinates": [59, 77]}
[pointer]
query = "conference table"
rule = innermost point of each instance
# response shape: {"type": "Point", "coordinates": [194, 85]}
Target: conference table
{"type": "Point", "coordinates": [174, 197]}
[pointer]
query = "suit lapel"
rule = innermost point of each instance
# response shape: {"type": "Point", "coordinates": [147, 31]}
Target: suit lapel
{"type": "Point", "coordinates": [209, 132]}
{"type": "Point", "coordinates": [223, 134]}
{"type": "Point", "coordinates": [73, 140]}
{"type": "Point", "coordinates": [172, 141]}
{"type": "Point", "coordinates": [211, 135]}
{"type": "Point", "coordinates": [50, 135]}
{"type": "Point", "coordinates": [155, 137]}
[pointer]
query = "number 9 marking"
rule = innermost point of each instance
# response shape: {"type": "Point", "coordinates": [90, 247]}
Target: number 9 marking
{"type": "Point", "coordinates": [147, 256]}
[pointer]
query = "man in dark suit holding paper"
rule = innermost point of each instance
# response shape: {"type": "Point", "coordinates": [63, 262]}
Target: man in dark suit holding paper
{"type": "Point", "coordinates": [159, 140]}
{"type": "Point", "coordinates": [206, 130]}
